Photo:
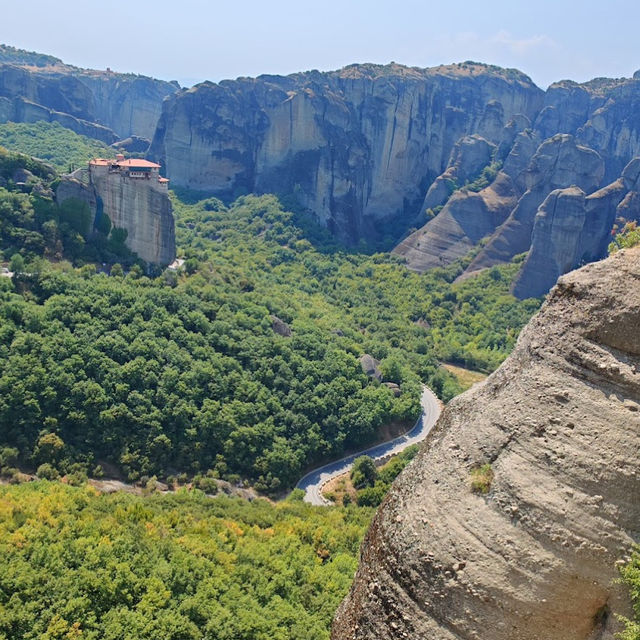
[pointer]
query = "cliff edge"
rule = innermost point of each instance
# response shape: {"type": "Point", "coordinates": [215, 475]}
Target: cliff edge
{"type": "Point", "coordinates": [535, 556]}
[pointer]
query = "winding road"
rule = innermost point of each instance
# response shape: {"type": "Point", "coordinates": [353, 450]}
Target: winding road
{"type": "Point", "coordinates": [313, 482]}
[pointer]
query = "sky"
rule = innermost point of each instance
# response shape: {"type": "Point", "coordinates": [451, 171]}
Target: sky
{"type": "Point", "coordinates": [195, 40]}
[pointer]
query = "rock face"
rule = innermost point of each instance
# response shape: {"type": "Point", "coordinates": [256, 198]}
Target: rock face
{"type": "Point", "coordinates": [141, 207]}
{"type": "Point", "coordinates": [469, 157]}
{"type": "Point", "coordinates": [535, 556]}
{"type": "Point", "coordinates": [102, 105]}
{"type": "Point", "coordinates": [558, 163]}
{"type": "Point", "coordinates": [572, 229]}
{"type": "Point", "coordinates": [376, 151]}
{"type": "Point", "coordinates": [359, 146]}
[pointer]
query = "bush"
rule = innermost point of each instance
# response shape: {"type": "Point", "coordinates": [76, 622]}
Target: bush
{"type": "Point", "coordinates": [630, 575]}
{"type": "Point", "coordinates": [47, 471]}
{"type": "Point", "coordinates": [481, 479]}
{"type": "Point", "coordinates": [8, 457]}
{"type": "Point", "coordinates": [372, 496]}
{"type": "Point", "coordinates": [207, 484]}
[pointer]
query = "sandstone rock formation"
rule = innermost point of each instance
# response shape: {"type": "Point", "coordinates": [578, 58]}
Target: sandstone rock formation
{"type": "Point", "coordinates": [470, 155]}
{"type": "Point", "coordinates": [100, 104]}
{"type": "Point", "coordinates": [141, 207]}
{"type": "Point", "coordinates": [465, 220]}
{"type": "Point", "coordinates": [359, 146]}
{"type": "Point", "coordinates": [370, 149]}
{"type": "Point", "coordinates": [572, 229]}
{"type": "Point", "coordinates": [559, 162]}
{"type": "Point", "coordinates": [535, 557]}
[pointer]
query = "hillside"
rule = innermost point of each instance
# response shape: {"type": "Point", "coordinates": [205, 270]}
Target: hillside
{"type": "Point", "coordinates": [62, 148]}
{"type": "Point", "coordinates": [217, 385]}
{"type": "Point", "coordinates": [74, 564]}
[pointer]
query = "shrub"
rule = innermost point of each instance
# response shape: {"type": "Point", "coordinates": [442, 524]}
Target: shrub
{"type": "Point", "coordinates": [372, 496]}
{"type": "Point", "coordinates": [481, 479]}
{"type": "Point", "coordinates": [207, 484]}
{"type": "Point", "coordinates": [8, 457]}
{"type": "Point", "coordinates": [47, 471]}
{"type": "Point", "coordinates": [364, 472]}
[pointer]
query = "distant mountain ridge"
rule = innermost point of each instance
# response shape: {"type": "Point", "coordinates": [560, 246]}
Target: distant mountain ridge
{"type": "Point", "coordinates": [375, 150]}
{"type": "Point", "coordinates": [435, 161]}
{"type": "Point", "coordinates": [104, 105]}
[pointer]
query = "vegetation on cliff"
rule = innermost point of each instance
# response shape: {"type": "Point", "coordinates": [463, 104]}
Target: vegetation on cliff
{"type": "Point", "coordinates": [62, 148]}
{"type": "Point", "coordinates": [625, 238]}
{"type": "Point", "coordinates": [74, 564]}
{"type": "Point", "coordinates": [33, 226]}
{"type": "Point", "coordinates": [631, 577]}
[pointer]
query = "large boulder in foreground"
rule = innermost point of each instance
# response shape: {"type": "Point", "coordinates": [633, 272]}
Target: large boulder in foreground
{"type": "Point", "coordinates": [534, 557]}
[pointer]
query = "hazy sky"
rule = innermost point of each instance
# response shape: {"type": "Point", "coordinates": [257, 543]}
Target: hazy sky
{"type": "Point", "coordinates": [194, 40]}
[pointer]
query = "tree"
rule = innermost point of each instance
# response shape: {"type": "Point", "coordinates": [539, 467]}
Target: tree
{"type": "Point", "coordinates": [47, 471]}
{"type": "Point", "coordinates": [363, 472]}
{"type": "Point", "coordinates": [16, 264]}
{"type": "Point", "coordinates": [49, 448]}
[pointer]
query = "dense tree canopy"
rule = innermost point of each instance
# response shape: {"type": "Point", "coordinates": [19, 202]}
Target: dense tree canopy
{"type": "Point", "coordinates": [186, 373]}
{"type": "Point", "coordinates": [74, 564]}
{"type": "Point", "coordinates": [60, 147]}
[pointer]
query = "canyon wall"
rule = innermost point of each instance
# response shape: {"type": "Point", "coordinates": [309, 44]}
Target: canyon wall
{"type": "Point", "coordinates": [456, 154]}
{"type": "Point", "coordinates": [100, 104]}
{"type": "Point", "coordinates": [359, 147]}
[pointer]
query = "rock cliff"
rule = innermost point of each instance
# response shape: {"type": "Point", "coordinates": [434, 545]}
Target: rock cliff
{"type": "Point", "coordinates": [535, 556]}
{"type": "Point", "coordinates": [375, 151]}
{"type": "Point", "coordinates": [572, 229]}
{"type": "Point", "coordinates": [99, 104]}
{"type": "Point", "coordinates": [359, 146]}
{"type": "Point", "coordinates": [431, 160]}
{"type": "Point", "coordinates": [583, 136]}
{"type": "Point", "coordinates": [139, 206]}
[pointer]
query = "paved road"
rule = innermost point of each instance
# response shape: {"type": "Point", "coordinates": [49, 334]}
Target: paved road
{"type": "Point", "coordinates": [313, 482]}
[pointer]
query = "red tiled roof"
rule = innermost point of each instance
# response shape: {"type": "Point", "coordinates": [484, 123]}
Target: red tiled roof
{"type": "Point", "coordinates": [163, 180]}
{"type": "Point", "coordinates": [132, 163]}
{"type": "Point", "coordinates": [135, 162]}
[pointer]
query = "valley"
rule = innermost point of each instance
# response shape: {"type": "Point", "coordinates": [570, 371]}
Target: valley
{"type": "Point", "coordinates": [213, 296]}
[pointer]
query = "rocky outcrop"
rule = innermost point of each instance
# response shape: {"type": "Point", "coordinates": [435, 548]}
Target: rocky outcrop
{"type": "Point", "coordinates": [558, 163]}
{"type": "Point", "coordinates": [132, 145]}
{"type": "Point", "coordinates": [141, 207]}
{"type": "Point", "coordinates": [280, 327]}
{"type": "Point", "coordinates": [572, 229]}
{"type": "Point", "coordinates": [18, 109]}
{"type": "Point", "coordinates": [470, 155]}
{"type": "Point", "coordinates": [506, 208]}
{"type": "Point", "coordinates": [359, 146]}
{"type": "Point", "coordinates": [535, 556]}
{"type": "Point", "coordinates": [465, 220]}
{"type": "Point", "coordinates": [370, 366]}
{"type": "Point", "coordinates": [100, 104]}
{"type": "Point", "coordinates": [376, 151]}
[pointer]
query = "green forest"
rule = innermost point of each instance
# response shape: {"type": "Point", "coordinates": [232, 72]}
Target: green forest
{"type": "Point", "coordinates": [166, 373]}
{"type": "Point", "coordinates": [56, 145]}
{"type": "Point", "coordinates": [77, 564]}
{"type": "Point", "coordinates": [244, 366]}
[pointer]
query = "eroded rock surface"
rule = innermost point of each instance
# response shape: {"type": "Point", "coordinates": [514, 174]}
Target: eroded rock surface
{"type": "Point", "coordinates": [141, 207]}
{"type": "Point", "coordinates": [359, 147]}
{"type": "Point", "coordinates": [536, 556]}
{"type": "Point", "coordinates": [572, 229]}
{"type": "Point", "coordinates": [99, 104]}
